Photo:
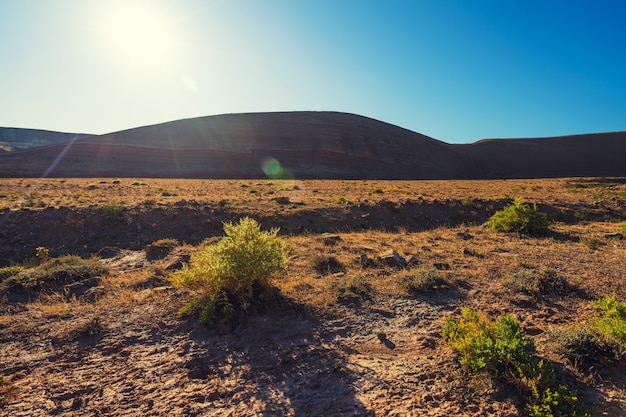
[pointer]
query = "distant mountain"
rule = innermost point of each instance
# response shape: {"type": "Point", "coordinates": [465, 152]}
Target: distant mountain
{"type": "Point", "coordinates": [15, 139]}
{"type": "Point", "coordinates": [311, 145]}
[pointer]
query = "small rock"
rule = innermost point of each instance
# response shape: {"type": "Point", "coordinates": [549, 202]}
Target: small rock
{"type": "Point", "coordinates": [381, 336]}
{"type": "Point", "coordinates": [615, 235]}
{"type": "Point", "coordinates": [392, 258]}
{"type": "Point", "coordinates": [465, 235]}
{"type": "Point", "coordinates": [79, 288]}
{"type": "Point", "coordinates": [366, 262]}
{"type": "Point", "coordinates": [157, 251]}
{"type": "Point", "coordinates": [92, 294]}
{"type": "Point", "coordinates": [330, 238]}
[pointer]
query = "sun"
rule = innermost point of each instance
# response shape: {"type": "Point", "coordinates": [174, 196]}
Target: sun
{"type": "Point", "coordinates": [140, 33]}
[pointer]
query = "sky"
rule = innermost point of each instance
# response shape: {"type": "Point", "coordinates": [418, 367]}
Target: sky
{"type": "Point", "coordinates": [455, 70]}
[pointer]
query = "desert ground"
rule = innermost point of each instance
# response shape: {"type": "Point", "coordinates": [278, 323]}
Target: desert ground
{"type": "Point", "coordinates": [115, 345]}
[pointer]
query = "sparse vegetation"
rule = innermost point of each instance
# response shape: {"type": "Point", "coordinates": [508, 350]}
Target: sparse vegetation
{"type": "Point", "coordinates": [165, 242]}
{"type": "Point", "coordinates": [590, 242]}
{"type": "Point", "coordinates": [234, 272]}
{"type": "Point", "coordinates": [519, 217]}
{"type": "Point", "coordinates": [54, 273]}
{"type": "Point", "coordinates": [503, 350]}
{"type": "Point", "coordinates": [113, 211]}
{"type": "Point", "coordinates": [597, 339]}
{"type": "Point", "coordinates": [421, 280]}
{"type": "Point", "coordinates": [8, 392]}
{"type": "Point", "coordinates": [355, 287]}
{"type": "Point", "coordinates": [537, 283]}
{"type": "Point", "coordinates": [327, 264]}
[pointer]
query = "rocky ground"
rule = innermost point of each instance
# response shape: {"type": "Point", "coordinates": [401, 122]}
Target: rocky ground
{"type": "Point", "coordinates": [125, 352]}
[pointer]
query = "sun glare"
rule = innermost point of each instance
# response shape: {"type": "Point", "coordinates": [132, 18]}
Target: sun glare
{"type": "Point", "coordinates": [141, 34]}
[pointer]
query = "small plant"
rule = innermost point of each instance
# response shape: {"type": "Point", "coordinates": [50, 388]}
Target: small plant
{"type": "Point", "coordinates": [113, 211]}
{"type": "Point", "coordinates": [502, 349]}
{"type": "Point", "coordinates": [584, 344]}
{"type": "Point", "coordinates": [355, 287]}
{"type": "Point", "coordinates": [43, 254]}
{"type": "Point", "coordinates": [613, 321]}
{"type": "Point", "coordinates": [165, 242]}
{"type": "Point", "coordinates": [92, 186]}
{"type": "Point", "coordinates": [137, 182]}
{"type": "Point", "coordinates": [327, 264]}
{"type": "Point", "coordinates": [234, 272]}
{"type": "Point", "coordinates": [622, 227]}
{"type": "Point", "coordinates": [467, 202]}
{"type": "Point", "coordinates": [85, 328]}
{"type": "Point", "coordinates": [54, 273]}
{"type": "Point", "coordinates": [420, 280]}
{"type": "Point", "coordinates": [536, 282]}
{"type": "Point", "coordinates": [519, 217]}
{"type": "Point", "coordinates": [116, 181]}
{"type": "Point", "coordinates": [590, 242]}
{"type": "Point", "coordinates": [8, 392]}
{"type": "Point", "coordinates": [378, 191]}
{"type": "Point", "coordinates": [9, 271]}
{"type": "Point", "coordinates": [497, 347]}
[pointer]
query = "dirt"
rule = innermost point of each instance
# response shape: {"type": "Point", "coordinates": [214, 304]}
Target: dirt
{"type": "Point", "coordinates": [310, 354]}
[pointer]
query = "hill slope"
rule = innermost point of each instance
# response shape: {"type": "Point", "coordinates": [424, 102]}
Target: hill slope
{"type": "Point", "coordinates": [15, 139]}
{"type": "Point", "coordinates": [311, 145]}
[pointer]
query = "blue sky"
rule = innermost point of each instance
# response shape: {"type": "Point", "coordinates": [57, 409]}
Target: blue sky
{"type": "Point", "coordinates": [458, 71]}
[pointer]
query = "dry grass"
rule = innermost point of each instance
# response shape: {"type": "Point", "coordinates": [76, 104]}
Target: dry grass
{"type": "Point", "coordinates": [330, 279]}
{"type": "Point", "coordinates": [76, 192]}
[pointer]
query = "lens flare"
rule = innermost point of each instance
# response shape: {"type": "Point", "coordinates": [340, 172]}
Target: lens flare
{"type": "Point", "coordinates": [272, 168]}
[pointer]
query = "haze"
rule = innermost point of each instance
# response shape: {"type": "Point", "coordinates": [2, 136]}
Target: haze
{"type": "Point", "coordinates": [457, 71]}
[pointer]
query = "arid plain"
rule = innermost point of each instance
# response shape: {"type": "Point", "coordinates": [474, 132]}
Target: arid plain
{"type": "Point", "coordinates": [125, 350]}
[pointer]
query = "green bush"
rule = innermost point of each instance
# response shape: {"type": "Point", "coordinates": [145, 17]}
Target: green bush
{"type": "Point", "coordinates": [234, 271]}
{"type": "Point", "coordinates": [502, 349]}
{"type": "Point", "coordinates": [613, 321]}
{"type": "Point", "coordinates": [497, 347]}
{"type": "Point", "coordinates": [519, 217]}
{"type": "Point", "coordinates": [420, 280]}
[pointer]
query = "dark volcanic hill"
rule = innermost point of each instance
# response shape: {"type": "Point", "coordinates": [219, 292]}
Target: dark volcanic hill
{"type": "Point", "coordinates": [15, 139]}
{"type": "Point", "coordinates": [311, 145]}
{"type": "Point", "coordinates": [306, 144]}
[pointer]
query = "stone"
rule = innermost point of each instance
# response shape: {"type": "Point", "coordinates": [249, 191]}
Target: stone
{"type": "Point", "coordinates": [92, 294]}
{"type": "Point", "coordinates": [392, 258]}
{"type": "Point", "coordinates": [79, 288]}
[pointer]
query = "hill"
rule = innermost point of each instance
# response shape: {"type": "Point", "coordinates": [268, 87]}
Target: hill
{"type": "Point", "coordinates": [15, 139]}
{"type": "Point", "coordinates": [311, 145]}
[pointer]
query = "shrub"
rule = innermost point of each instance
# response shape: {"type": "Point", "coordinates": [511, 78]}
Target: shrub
{"type": "Point", "coordinates": [353, 288]}
{"type": "Point", "coordinates": [613, 321]}
{"type": "Point", "coordinates": [502, 349]}
{"type": "Point", "coordinates": [584, 344]}
{"type": "Point", "coordinates": [54, 273]}
{"type": "Point", "coordinates": [9, 271]}
{"type": "Point", "coordinates": [423, 279]}
{"type": "Point", "coordinates": [113, 211]}
{"type": "Point", "coordinates": [497, 347]}
{"type": "Point", "coordinates": [536, 282]}
{"type": "Point", "coordinates": [166, 242]}
{"type": "Point", "coordinates": [519, 217]}
{"type": "Point", "coordinates": [234, 271]}
{"type": "Point", "coordinates": [590, 242]}
{"type": "Point", "coordinates": [327, 264]}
